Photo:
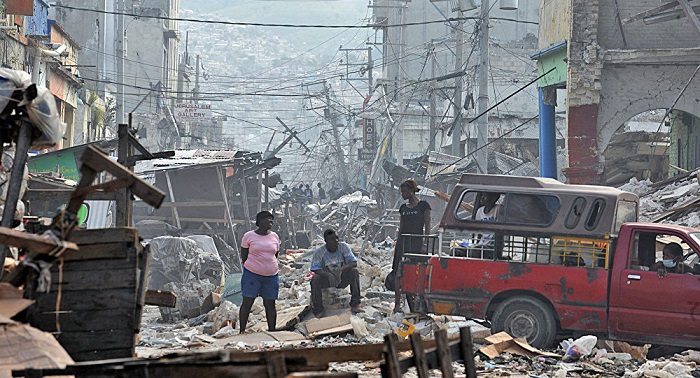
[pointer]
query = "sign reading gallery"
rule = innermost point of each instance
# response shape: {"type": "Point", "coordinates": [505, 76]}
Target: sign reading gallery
{"type": "Point", "coordinates": [188, 112]}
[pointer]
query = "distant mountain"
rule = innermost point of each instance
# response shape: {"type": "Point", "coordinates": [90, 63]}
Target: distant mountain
{"type": "Point", "coordinates": [300, 12]}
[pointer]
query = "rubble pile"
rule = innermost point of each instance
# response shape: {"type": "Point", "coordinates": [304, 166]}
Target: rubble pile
{"type": "Point", "coordinates": [355, 211]}
{"type": "Point", "coordinates": [218, 329]}
{"type": "Point", "coordinates": [673, 201]}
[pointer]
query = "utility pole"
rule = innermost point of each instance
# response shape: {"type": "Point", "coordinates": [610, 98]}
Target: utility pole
{"type": "Point", "coordinates": [457, 104]}
{"type": "Point", "coordinates": [120, 63]}
{"type": "Point", "coordinates": [336, 137]}
{"type": "Point", "coordinates": [398, 145]}
{"type": "Point", "coordinates": [482, 125]}
{"type": "Point", "coordinates": [196, 81]}
{"type": "Point", "coordinates": [431, 135]}
{"type": "Point", "coordinates": [370, 66]}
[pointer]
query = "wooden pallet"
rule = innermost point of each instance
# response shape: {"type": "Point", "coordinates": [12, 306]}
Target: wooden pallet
{"type": "Point", "coordinates": [96, 295]}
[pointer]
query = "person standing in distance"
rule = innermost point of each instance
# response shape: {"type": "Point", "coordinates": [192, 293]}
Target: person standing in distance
{"type": "Point", "coordinates": [259, 251]}
{"type": "Point", "coordinates": [414, 219]}
{"type": "Point", "coordinates": [321, 194]}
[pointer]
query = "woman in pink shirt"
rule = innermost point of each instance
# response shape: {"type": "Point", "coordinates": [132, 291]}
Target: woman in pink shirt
{"type": "Point", "coordinates": [259, 250]}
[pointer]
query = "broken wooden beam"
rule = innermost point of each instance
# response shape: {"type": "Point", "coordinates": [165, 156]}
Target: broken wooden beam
{"type": "Point", "coordinates": [161, 298]}
{"type": "Point", "coordinates": [99, 161]}
{"type": "Point", "coordinates": [41, 244]}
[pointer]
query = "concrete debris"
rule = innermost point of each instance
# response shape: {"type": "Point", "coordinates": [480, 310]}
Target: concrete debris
{"type": "Point", "coordinates": [673, 201]}
{"type": "Point", "coordinates": [298, 328]}
{"type": "Point", "coordinates": [190, 268]}
{"type": "Point", "coordinates": [160, 335]}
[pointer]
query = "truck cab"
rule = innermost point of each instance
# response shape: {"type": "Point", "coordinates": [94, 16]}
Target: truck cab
{"type": "Point", "coordinates": [546, 259]}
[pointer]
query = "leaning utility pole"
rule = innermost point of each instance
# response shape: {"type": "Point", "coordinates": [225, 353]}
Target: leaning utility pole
{"type": "Point", "coordinates": [482, 125]}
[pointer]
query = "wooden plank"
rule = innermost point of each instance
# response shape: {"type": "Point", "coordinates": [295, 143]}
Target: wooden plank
{"type": "Point", "coordinates": [86, 266]}
{"type": "Point", "coordinates": [651, 12]}
{"type": "Point", "coordinates": [62, 195]}
{"type": "Point", "coordinates": [183, 219]}
{"type": "Point", "coordinates": [87, 341]}
{"type": "Point", "coordinates": [419, 355]}
{"type": "Point", "coordinates": [99, 161]}
{"type": "Point", "coordinates": [100, 251]}
{"type": "Point", "coordinates": [106, 279]}
{"type": "Point", "coordinates": [35, 243]}
{"type": "Point", "coordinates": [315, 326]}
{"type": "Point", "coordinates": [102, 320]}
{"type": "Point", "coordinates": [151, 368]}
{"type": "Point", "coordinates": [105, 235]}
{"type": "Point", "coordinates": [183, 204]}
{"type": "Point", "coordinates": [444, 354]}
{"type": "Point", "coordinates": [467, 346]}
{"type": "Point", "coordinates": [276, 367]}
{"type": "Point", "coordinates": [102, 354]}
{"type": "Point", "coordinates": [87, 300]}
{"type": "Point", "coordinates": [391, 356]}
{"type": "Point", "coordinates": [161, 298]}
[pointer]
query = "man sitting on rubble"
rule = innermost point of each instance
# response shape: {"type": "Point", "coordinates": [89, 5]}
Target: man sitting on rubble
{"type": "Point", "coordinates": [334, 265]}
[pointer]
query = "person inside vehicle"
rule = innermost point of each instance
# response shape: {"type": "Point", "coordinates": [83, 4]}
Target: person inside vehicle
{"type": "Point", "coordinates": [334, 265]}
{"type": "Point", "coordinates": [672, 261]}
{"type": "Point", "coordinates": [489, 211]}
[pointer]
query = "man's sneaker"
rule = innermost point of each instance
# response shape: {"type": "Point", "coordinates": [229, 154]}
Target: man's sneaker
{"type": "Point", "coordinates": [320, 314]}
{"type": "Point", "coordinates": [356, 309]}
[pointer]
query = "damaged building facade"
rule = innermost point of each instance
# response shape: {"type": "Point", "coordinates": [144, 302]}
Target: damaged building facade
{"type": "Point", "coordinates": [622, 58]}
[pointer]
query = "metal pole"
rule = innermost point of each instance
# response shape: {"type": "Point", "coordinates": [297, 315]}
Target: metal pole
{"type": "Point", "coordinates": [122, 201]}
{"type": "Point", "coordinates": [431, 135]}
{"type": "Point", "coordinates": [16, 176]}
{"type": "Point", "coordinates": [482, 126]}
{"type": "Point", "coordinates": [548, 137]}
{"type": "Point", "coordinates": [457, 105]}
{"type": "Point", "coordinates": [120, 62]}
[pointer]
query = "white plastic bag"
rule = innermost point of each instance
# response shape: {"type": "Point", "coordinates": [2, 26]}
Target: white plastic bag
{"type": "Point", "coordinates": [581, 347]}
{"type": "Point", "coordinates": [43, 113]}
{"type": "Point", "coordinates": [44, 116]}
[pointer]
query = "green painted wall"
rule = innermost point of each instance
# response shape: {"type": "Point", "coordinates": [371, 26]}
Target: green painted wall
{"type": "Point", "coordinates": [557, 60]}
{"type": "Point", "coordinates": [684, 151]}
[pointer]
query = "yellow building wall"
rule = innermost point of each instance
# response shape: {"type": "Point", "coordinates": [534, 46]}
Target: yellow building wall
{"type": "Point", "coordinates": [555, 18]}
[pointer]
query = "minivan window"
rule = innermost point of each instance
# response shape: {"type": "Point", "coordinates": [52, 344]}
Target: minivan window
{"type": "Point", "coordinates": [595, 214]}
{"type": "Point", "coordinates": [466, 210]}
{"type": "Point", "coordinates": [531, 209]}
{"type": "Point", "coordinates": [626, 212]}
{"type": "Point", "coordinates": [575, 212]}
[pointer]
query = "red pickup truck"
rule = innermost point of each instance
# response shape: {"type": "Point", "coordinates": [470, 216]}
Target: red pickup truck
{"type": "Point", "coordinates": [552, 260]}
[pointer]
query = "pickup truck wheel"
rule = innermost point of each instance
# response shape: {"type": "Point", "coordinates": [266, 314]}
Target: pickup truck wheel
{"type": "Point", "coordinates": [528, 318]}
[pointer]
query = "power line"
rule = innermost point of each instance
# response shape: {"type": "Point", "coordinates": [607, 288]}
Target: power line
{"type": "Point", "coordinates": [234, 23]}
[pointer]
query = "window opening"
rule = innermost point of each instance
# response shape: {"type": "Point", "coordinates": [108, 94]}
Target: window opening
{"type": "Point", "coordinates": [575, 212]}
{"type": "Point", "coordinates": [595, 214]}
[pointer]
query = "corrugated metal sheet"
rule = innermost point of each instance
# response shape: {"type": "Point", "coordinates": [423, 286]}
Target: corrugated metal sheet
{"type": "Point", "coordinates": [100, 214]}
{"type": "Point", "coordinates": [185, 158]}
